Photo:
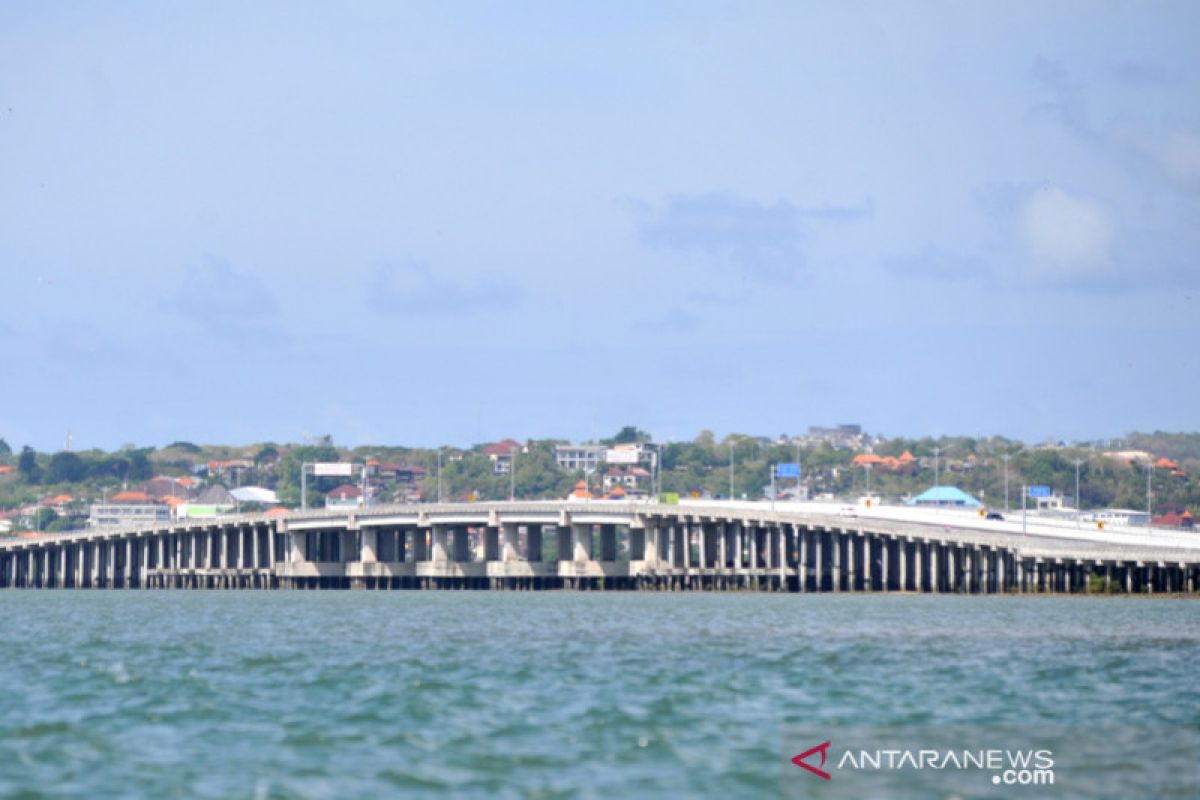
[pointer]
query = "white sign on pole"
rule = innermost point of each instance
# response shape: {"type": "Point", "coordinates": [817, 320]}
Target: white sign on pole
{"type": "Point", "coordinates": [333, 468]}
{"type": "Point", "coordinates": [623, 455]}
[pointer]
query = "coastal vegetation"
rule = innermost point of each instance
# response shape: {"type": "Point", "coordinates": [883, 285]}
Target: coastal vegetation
{"type": "Point", "coordinates": [1111, 474]}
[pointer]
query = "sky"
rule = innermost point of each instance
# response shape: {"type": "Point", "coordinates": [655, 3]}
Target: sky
{"type": "Point", "coordinates": [450, 223]}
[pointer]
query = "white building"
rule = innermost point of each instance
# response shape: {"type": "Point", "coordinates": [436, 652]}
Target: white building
{"type": "Point", "coordinates": [104, 515]}
{"type": "Point", "coordinates": [582, 457]}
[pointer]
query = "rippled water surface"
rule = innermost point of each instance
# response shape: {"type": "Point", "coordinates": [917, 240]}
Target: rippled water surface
{"type": "Point", "coordinates": [337, 694]}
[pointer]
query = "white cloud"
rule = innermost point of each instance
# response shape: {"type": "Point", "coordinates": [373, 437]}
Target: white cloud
{"type": "Point", "coordinates": [1181, 155]}
{"type": "Point", "coordinates": [1066, 234]}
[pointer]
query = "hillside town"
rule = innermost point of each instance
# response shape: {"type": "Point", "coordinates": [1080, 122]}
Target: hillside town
{"type": "Point", "coordinates": [1128, 482]}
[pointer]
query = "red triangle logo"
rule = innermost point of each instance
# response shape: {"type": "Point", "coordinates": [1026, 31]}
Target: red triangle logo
{"type": "Point", "coordinates": [823, 750]}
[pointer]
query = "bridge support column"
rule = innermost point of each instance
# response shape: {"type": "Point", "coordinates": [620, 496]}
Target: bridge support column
{"type": "Point", "coordinates": [533, 543]}
{"type": "Point", "coordinates": [934, 547]}
{"type": "Point", "coordinates": [803, 558]}
{"type": "Point", "coordinates": [61, 580]}
{"type": "Point", "coordinates": [510, 550]}
{"type": "Point", "coordinates": [440, 541]}
{"type": "Point", "coordinates": [835, 560]}
{"type": "Point", "coordinates": [918, 565]}
{"type": "Point", "coordinates": [902, 547]}
{"type": "Point", "coordinates": [369, 549]}
{"type": "Point", "coordinates": [581, 542]}
{"type": "Point", "coordinates": [461, 543]}
{"type": "Point", "coordinates": [608, 543]}
{"type": "Point", "coordinates": [753, 541]}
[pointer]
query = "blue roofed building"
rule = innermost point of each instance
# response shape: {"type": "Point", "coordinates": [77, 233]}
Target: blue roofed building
{"type": "Point", "coordinates": [950, 496]}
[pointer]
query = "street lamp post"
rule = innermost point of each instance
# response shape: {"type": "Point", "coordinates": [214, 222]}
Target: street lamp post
{"type": "Point", "coordinates": [439, 474]}
{"type": "Point", "coordinates": [1078, 505]}
{"type": "Point", "coordinates": [1149, 498]}
{"type": "Point", "coordinates": [730, 469]}
{"type": "Point", "coordinates": [1006, 458]}
{"type": "Point", "coordinates": [936, 475]}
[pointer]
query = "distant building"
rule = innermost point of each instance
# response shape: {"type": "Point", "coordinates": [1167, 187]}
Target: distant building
{"type": "Point", "coordinates": [633, 480]}
{"type": "Point", "coordinates": [401, 473]}
{"type": "Point", "coordinates": [344, 496]}
{"type": "Point", "coordinates": [945, 496]}
{"type": "Point", "coordinates": [128, 508]}
{"type": "Point", "coordinates": [580, 457]}
{"type": "Point", "coordinates": [1120, 516]}
{"type": "Point", "coordinates": [1173, 520]}
{"type": "Point", "coordinates": [501, 454]}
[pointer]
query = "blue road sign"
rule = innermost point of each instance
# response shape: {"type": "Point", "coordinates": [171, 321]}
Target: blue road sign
{"type": "Point", "coordinates": [787, 470]}
{"type": "Point", "coordinates": [1039, 491]}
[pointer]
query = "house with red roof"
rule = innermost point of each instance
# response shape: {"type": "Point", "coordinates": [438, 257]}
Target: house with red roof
{"type": "Point", "coordinates": [501, 454]}
{"type": "Point", "coordinates": [344, 496]}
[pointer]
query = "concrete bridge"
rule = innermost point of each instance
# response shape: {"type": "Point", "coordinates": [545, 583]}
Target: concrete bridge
{"type": "Point", "coordinates": [802, 547]}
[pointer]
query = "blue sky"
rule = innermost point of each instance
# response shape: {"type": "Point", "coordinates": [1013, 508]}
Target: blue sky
{"type": "Point", "coordinates": [450, 223]}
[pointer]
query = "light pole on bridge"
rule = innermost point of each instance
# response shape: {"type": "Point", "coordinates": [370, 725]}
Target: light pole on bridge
{"type": "Point", "coordinates": [1007, 456]}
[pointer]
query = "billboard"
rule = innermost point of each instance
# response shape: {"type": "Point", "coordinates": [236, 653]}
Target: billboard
{"type": "Point", "coordinates": [787, 470]}
{"type": "Point", "coordinates": [333, 468]}
{"type": "Point", "coordinates": [623, 455]}
{"type": "Point", "coordinates": [1039, 491]}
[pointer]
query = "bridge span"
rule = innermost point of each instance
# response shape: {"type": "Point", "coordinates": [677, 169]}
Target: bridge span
{"type": "Point", "coordinates": [802, 547]}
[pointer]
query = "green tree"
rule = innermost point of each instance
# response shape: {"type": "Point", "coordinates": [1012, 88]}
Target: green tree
{"type": "Point", "coordinates": [139, 465]}
{"type": "Point", "coordinates": [28, 467]}
{"type": "Point", "coordinates": [66, 467]}
{"type": "Point", "coordinates": [628, 435]}
{"type": "Point", "coordinates": [5, 450]}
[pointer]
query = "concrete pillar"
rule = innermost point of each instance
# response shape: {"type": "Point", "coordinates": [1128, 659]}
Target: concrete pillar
{"type": "Point", "coordinates": [608, 543]}
{"type": "Point", "coordinates": [802, 558]}
{"type": "Point", "coordinates": [1001, 572]}
{"type": "Point", "coordinates": [564, 541]}
{"type": "Point", "coordinates": [653, 544]}
{"type": "Point", "coordinates": [461, 543]}
{"type": "Point", "coordinates": [77, 552]}
{"type": "Point", "coordinates": [440, 541]}
{"type": "Point", "coordinates": [818, 558]}
{"type": "Point", "coordinates": [917, 562]}
{"type": "Point", "coordinates": [533, 542]}
{"type": "Point", "coordinates": [369, 552]}
{"type": "Point", "coordinates": [581, 542]}
{"type": "Point", "coordinates": [835, 561]}
{"type": "Point", "coordinates": [933, 566]}
{"type": "Point", "coordinates": [738, 548]}
{"type": "Point", "coordinates": [902, 546]}
{"type": "Point", "coordinates": [782, 549]}
{"type": "Point", "coordinates": [491, 543]}
{"type": "Point", "coordinates": [110, 576]}
{"type": "Point", "coordinates": [851, 561]}
{"type": "Point", "coordinates": [510, 550]}
{"type": "Point", "coordinates": [422, 539]}
{"type": "Point", "coordinates": [722, 544]}
{"type": "Point", "coordinates": [752, 533]}
{"type": "Point", "coordinates": [701, 544]}
{"type": "Point", "coordinates": [61, 582]}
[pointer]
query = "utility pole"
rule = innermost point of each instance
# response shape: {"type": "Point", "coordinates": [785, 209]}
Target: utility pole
{"type": "Point", "coordinates": [439, 474]}
{"type": "Point", "coordinates": [1078, 504]}
{"type": "Point", "coordinates": [731, 469]}
{"type": "Point", "coordinates": [1006, 457]}
{"type": "Point", "coordinates": [1149, 498]}
{"type": "Point", "coordinates": [1024, 494]}
{"type": "Point", "coordinates": [512, 475]}
{"type": "Point", "coordinates": [936, 474]}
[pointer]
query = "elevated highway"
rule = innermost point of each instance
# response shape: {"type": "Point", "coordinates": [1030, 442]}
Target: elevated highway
{"type": "Point", "coordinates": [695, 545]}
